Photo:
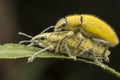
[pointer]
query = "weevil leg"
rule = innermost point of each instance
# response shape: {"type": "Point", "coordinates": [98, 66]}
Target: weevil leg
{"type": "Point", "coordinates": [64, 47]}
{"type": "Point", "coordinates": [47, 29]}
{"type": "Point", "coordinates": [90, 54]}
{"type": "Point", "coordinates": [106, 44]}
{"type": "Point", "coordinates": [69, 34]}
{"type": "Point", "coordinates": [69, 53]}
{"type": "Point", "coordinates": [80, 36]}
{"type": "Point", "coordinates": [30, 59]}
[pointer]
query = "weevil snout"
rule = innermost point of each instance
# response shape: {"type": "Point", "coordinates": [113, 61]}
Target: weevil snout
{"type": "Point", "coordinates": [60, 25]}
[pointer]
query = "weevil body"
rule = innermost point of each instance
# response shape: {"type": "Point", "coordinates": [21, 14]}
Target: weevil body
{"type": "Point", "coordinates": [52, 38]}
{"type": "Point", "coordinates": [90, 26]}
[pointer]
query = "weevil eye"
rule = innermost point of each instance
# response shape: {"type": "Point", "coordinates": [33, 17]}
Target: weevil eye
{"type": "Point", "coordinates": [65, 23]}
{"type": "Point", "coordinates": [42, 38]}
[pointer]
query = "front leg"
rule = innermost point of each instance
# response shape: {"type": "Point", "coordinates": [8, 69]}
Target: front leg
{"type": "Point", "coordinates": [68, 35]}
{"type": "Point", "coordinates": [30, 59]}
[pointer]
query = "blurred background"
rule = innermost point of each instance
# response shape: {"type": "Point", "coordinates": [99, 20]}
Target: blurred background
{"type": "Point", "coordinates": [32, 16]}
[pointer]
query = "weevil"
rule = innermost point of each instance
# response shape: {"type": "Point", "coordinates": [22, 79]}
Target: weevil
{"type": "Point", "coordinates": [90, 26]}
{"type": "Point", "coordinates": [88, 48]}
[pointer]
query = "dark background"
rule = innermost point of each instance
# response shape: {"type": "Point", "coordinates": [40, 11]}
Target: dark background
{"type": "Point", "coordinates": [32, 16]}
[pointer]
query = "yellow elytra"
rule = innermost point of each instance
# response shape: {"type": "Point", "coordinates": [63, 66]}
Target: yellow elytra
{"type": "Point", "coordinates": [90, 26]}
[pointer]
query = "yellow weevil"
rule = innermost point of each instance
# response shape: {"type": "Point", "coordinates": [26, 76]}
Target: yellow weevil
{"type": "Point", "coordinates": [90, 26]}
{"type": "Point", "coordinates": [88, 48]}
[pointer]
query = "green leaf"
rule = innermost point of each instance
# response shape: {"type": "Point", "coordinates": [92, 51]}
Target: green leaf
{"type": "Point", "coordinates": [14, 51]}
